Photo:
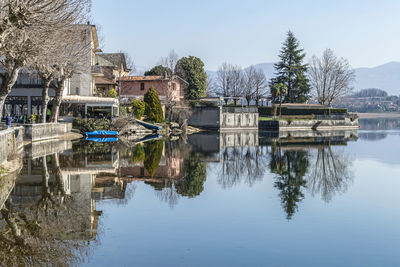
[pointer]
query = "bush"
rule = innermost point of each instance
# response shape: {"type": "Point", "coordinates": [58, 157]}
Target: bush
{"type": "Point", "coordinates": [339, 111]}
{"type": "Point", "coordinates": [153, 110]}
{"type": "Point", "coordinates": [138, 154]}
{"type": "Point", "coordinates": [89, 125]}
{"type": "Point", "coordinates": [138, 108]}
{"type": "Point", "coordinates": [112, 93]}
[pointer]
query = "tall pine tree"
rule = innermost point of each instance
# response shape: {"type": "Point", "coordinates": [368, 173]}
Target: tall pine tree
{"type": "Point", "coordinates": [291, 71]}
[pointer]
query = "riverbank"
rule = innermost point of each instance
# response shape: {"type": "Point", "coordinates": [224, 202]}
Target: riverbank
{"type": "Point", "coordinates": [378, 115]}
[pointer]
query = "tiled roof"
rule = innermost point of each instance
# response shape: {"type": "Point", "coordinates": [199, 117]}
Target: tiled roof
{"type": "Point", "coordinates": [149, 78]}
{"type": "Point", "coordinates": [102, 80]}
{"type": "Point", "coordinates": [143, 78]}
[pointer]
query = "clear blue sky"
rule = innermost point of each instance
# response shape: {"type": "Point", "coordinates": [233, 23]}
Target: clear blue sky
{"type": "Point", "coordinates": [366, 32]}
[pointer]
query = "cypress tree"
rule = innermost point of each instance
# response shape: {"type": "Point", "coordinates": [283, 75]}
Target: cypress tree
{"type": "Point", "coordinates": [291, 71]}
{"type": "Point", "coordinates": [153, 110]}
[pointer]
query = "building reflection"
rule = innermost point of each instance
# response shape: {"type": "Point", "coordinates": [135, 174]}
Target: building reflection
{"type": "Point", "coordinates": [49, 213]}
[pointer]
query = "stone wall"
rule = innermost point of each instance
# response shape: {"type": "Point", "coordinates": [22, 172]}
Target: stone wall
{"type": "Point", "coordinates": [284, 125]}
{"type": "Point", "coordinates": [224, 119]}
{"type": "Point", "coordinates": [43, 131]}
{"type": "Point", "coordinates": [11, 141]}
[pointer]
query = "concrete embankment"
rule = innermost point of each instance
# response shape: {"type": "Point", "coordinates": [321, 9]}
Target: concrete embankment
{"type": "Point", "coordinates": [286, 125]}
{"type": "Point", "coordinates": [11, 142]}
{"type": "Point", "coordinates": [45, 131]}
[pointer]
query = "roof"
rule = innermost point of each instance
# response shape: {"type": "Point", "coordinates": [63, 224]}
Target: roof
{"type": "Point", "coordinates": [102, 62]}
{"type": "Point", "coordinates": [115, 59]}
{"type": "Point", "coordinates": [148, 78]}
{"type": "Point", "coordinates": [103, 80]}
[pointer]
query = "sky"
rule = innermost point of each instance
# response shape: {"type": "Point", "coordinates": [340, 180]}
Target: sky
{"type": "Point", "coordinates": [366, 32]}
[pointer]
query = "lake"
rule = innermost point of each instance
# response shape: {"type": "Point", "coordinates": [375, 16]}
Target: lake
{"type": "Point", "coordinates": [209, 199]}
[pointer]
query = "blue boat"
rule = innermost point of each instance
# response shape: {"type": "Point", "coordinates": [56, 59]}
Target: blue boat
{"type": "Point", "coordinates": [102, 140]}
{"type": "Point", "coordinates": [101, 134]}
{"type": "Point", "coordinates": [149, 125]}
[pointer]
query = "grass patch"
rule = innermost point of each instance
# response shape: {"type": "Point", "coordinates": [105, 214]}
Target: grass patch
{"type": "Point", "coordinates": [265, 118]}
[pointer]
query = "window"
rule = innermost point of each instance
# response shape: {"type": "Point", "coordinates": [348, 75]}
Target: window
{"type": "Point", "coordinates": [142, 86]}
{"type": "Point", "coordinates": [77, 91]}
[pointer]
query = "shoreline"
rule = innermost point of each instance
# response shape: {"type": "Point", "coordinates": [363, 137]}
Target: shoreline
{"type": "Point", "coordinates": [378, 115]}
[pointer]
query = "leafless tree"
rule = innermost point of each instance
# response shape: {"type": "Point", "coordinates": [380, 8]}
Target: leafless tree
{"type": "Point", "coordinates": [170, 100]}
{"type": "Point", "coordinates": [331, 77]}
{"type": "Point", "coordinates": [261, 85]}
{"type": "Point", "coordinates": [72, 59]}
{"type": "Point", "coordinates": [124, 60]}
{"type": "Point", "coordinates": [331, 173]}
{"type": "Point", "coordinates": [230, 80]}
{"type": "Point", "coordinates": [22, 25]}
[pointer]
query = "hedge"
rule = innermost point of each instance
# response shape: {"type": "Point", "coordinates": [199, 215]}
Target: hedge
{"type": "Point", "coordinates": [268, 111]}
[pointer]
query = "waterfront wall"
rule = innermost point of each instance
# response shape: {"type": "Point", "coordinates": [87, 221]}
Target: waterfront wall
{"type": "Point", "coordinates": [286, 125]}
{"type": "Point", "coordinates": [43, 131]}
{"type": "Point", "coordinates": [11, 141]}
{"type": "Point", "coordinates": [224, 118]}
{"type": "Point", "coordinates": [40, 149]}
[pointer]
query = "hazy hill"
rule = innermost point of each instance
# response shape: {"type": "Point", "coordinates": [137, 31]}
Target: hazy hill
{"type": "Point", "coordinates": [385, 77]}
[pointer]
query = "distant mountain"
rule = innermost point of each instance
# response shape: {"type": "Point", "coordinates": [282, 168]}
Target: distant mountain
{"type": "Point", "coordinates": [385, 77]}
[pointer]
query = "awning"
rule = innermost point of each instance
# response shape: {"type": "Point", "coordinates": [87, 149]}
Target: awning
{"type": "Point", "coordinates": [90, 100]}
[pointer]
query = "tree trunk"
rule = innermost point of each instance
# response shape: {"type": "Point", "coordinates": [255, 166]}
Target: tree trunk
{"type": "Point", "coordinates": [55, 111]}
{"type": "Point", "coordinates": [45, 99]}
{"type": "Point", "coordinates": [8, 81]}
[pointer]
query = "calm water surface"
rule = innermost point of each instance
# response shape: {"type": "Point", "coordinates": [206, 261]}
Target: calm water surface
{"type": "Point", "coordinates": [250, 199]}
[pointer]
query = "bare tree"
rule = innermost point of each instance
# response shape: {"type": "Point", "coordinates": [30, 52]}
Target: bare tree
{"type": "Point", "coordinates": [72, 59]}
{"type": "Point", "coordinates": [261, 85]}
{"type": "Point", "coordinates": [331, 77]}
{"type": "Point", "coordinates": [170, 100]}
{"type": "Point", "coordinates": [23, 27]}
{"type": "Point", "coordinates": [230, 81]}
{"type": "Point", "coordinates": [249, 84]}
{"type": "Point", "coordinates": [124, 61]}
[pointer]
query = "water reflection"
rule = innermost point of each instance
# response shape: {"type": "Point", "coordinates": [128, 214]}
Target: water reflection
{"type": "Point", "coordinates": [51, 215]}
{"type": "Point", "coordinates": [290, 167]}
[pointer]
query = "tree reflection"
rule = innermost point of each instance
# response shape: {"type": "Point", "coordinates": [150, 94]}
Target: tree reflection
{"type": "Point", "coordinates": [290, 167]}
{"type": "Point", "coordinates": [153, 152]}
{"type": "Point", "coordinates": [330, 173]}
{"type": "Point", "coordinates": [46, 229]}
{"type": "Point", "coordinates": [241, 163]}
{"type": "Point", "coordinates": [193, 182]}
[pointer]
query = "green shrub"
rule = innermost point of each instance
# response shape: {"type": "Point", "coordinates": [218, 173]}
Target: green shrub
{"type": "Point", "coordinates": [112, 93]}
{"type": "Point", "coordinates": [89, 125]}
{"type": "Point", "coordinates": [153, 110]}
{"type": "Point", "coordinates": [339, 110]}
{"type": "Point", "coordinates": [138, 108]}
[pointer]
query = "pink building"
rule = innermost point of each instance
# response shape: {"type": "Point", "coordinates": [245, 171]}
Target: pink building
{"type": "Point", "coordinates": [134, 87]}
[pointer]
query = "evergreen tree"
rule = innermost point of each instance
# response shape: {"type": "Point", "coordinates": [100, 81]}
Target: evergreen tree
{"type": "Point", "coordinates": [291, 71]}
{"type": "Point", "coordinates": [159, 70]}
{"type": "Point", "coordinates": [191, 69]}
{"type": "Point", "coordinates": [153, 110]}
